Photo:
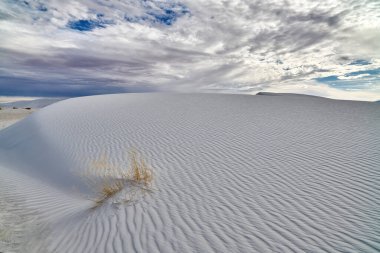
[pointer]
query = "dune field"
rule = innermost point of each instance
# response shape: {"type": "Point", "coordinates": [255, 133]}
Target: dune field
{"type": "Point", "coordinates": [9, 116]}
{"type": "Point", "coordinates": [11, 112]}
{"type": "Point", "coordinates": [220, 173]}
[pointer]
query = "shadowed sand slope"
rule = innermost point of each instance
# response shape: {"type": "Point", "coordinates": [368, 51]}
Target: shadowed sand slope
{"type": "Point", "coordinates": [231, 173]}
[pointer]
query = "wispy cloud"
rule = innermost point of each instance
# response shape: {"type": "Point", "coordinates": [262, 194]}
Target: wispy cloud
{"type": "Point", "coordinates": [69, 47]}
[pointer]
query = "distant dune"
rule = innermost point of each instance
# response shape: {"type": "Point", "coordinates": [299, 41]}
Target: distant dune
{"type": "Point", "coordinates": [264, 93]}
{"type": "Point", "coordinates": [36, 103]}
{"type": "Point", "coordinates": [231, 173]}
{"type": "Point", "coordinates": [11, 112]}
{"type": "Point", "coordinates": [9, 116]}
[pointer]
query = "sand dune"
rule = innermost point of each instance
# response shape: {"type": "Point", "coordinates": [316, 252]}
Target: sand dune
{"type": "Point", "coordinates": [10, 116]}
{"type": "Point", "coordinates": [11, 112]}
{"type": "Point", "coordinates": [232, 173]}
{"type": "Point", "coordinates": [35, 103]}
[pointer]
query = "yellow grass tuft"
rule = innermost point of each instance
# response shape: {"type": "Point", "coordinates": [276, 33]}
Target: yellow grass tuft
{"type": "Point", "coordinates": [107, 181]}
{"type": "Point", "coordinates": [139, 172]}
{"type": "Point", "coordinates": [108, 190]}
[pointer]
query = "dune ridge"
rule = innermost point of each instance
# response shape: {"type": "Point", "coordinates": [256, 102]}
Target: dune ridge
{"type": "Point", "coordinates": [233, 173]}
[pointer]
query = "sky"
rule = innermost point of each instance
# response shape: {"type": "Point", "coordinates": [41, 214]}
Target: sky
{"type": "Point", "coordinates": [327, 48]}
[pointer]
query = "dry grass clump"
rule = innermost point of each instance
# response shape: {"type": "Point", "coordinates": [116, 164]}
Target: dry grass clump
{"type": "Point", "coordinates": [109, 190]}
{"type": "Point", "coordinates": [107, 180]}
{"type": "Point", "coordinates": [139, 171]}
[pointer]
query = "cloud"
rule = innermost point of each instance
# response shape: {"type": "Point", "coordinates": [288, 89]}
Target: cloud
{"type": "Point", "coordinates": [360, 62]}
{"type": "Point", "coordinates": [242, 46]}
{"type": "Point", "coordinates": [353, 77]}
{"type": "Point", "coordinates": [61, 87]}
{"type": "Point", "coordinates": [365, 80]}
{"type": "Point", "coordinates": [323, 90]}
{"type": "Point", "coordinates": [154, 12]}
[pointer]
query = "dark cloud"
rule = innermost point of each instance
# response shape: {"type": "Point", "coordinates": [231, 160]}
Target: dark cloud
{"type": "Point", "coordinates": [16, 86]}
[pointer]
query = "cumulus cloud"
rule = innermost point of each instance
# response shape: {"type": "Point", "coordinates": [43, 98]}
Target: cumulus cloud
{"type": "Point", "coordinates": [354, 77]}
{"type": "Point", "coordinates": [69, 48]}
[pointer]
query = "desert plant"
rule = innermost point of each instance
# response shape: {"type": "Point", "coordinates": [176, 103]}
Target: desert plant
{"type": "Point", "coordinates": [139, 172]}
{"type": "Point", "coordinates": [109, 190]}
{"type": "Point", "coordinates": [107, 180]}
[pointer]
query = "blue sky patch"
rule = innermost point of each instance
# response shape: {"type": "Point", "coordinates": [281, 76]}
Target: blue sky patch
{"type": "Point", "coordinates": [85, 25]}
{"type": "Point", "coordinates": [327, 79]}
{"type": "Point", "coordinates": [168, 17]}
{"type": "Point", "coordinates": [357, 80]}
{"type": "Point", "coordinates": [163, 13]}
{"type": "Point", "coordinates": [372, 72]}
{"type": "Point", "coordinates": [42, 7]}
{"type": "Point", "coordinates": [360, 62]}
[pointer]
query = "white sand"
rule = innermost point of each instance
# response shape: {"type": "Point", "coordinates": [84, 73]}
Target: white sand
{"type": "Point", "coordinates": [232, 173]}
{"type": "Point", "coordinates": [9, 99]}
{"type": "Point", "coordinates": [32, 103]}
{"type": "Point", "coordinates": [9, 116]}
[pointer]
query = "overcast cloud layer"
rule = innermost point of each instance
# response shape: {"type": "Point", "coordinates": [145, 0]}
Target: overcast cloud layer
{"type": "Point", "coordinates": [69, 48]}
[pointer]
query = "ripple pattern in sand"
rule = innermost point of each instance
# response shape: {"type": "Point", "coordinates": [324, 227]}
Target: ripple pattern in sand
{"type": "Point", "coordinates": [233, 173]}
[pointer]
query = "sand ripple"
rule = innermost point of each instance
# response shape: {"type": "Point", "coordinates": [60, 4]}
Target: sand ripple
{"type": "Point", "coordinates": [232, 173]}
